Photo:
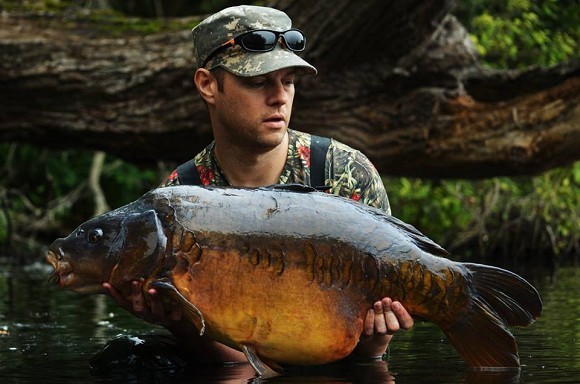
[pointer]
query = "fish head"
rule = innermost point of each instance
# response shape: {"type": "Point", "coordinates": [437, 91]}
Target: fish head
{"type": "Point", "coordinates": [83, 259]}
{"type": "Point", "coordinates": [116, 247]}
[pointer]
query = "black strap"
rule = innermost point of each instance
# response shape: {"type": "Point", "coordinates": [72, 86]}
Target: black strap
{"type": "Point", "coordinates": [318, 148]}
{"type": "Point", "coordinates": [188, 173]}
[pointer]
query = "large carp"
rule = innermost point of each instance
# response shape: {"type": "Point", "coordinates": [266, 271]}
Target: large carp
{"type": "Point", "coordinates": [287, 274]}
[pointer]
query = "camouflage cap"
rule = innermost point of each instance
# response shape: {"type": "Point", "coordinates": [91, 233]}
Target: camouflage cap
{"type": "Point", "coordinates": [231, 22]}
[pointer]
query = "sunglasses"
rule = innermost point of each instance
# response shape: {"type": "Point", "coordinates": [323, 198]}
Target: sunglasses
{"type": "Point", "coordinates": [262, 40]}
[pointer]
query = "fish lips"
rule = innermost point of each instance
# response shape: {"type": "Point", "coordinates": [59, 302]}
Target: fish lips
{"type": "Point", "coordinates": [64, 275]}
{"type": "Point", "coordinates": [62, 269]}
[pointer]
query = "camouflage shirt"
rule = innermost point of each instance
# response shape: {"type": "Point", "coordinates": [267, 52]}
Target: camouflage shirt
{"type": "Point", "coordinates": [347, 173]}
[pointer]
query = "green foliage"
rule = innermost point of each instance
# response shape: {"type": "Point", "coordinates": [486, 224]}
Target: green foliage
{"type": "Point", "coordinates": [435, 207]}
{"type": "Point", "coordinates": [4, 226]}
{"type": "Point", "coordinates": [118, 25]}
{"type": "Point", "coordinates": [479, 217]}
{"type": "Point", "coordinates": [104, 21]}
{"type": "Point", "coordinates": [518, 33]}
{"type": "Point", "coordinates": [46, 192]}
{"type": "Point", "coordinates": [34, 5]}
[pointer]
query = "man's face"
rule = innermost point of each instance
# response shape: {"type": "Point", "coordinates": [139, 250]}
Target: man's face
{"type": "Point", "coordinates": [254, 111]}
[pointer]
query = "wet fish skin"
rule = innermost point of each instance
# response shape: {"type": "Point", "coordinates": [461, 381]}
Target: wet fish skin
{"type": "Point", "coordinates": [254, 267]}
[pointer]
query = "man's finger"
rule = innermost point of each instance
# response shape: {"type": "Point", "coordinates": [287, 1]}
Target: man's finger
{"type": "Point", "coordinates": [404, 318]}
{"type": "Point", "coordinates": [137, 297]}
{"type": "Point", "coordinates": [390, 319]}
{"type": "Point", "coordinates": [157, 307]}
{"type": "Point", "coordinates": [369, 324]}
{"type": "Point", "coordinates": [176, 312]}
{"type": "Point", "coordinates": [380, 323]}
{"type": "Point", "coordinates": [117, 297]}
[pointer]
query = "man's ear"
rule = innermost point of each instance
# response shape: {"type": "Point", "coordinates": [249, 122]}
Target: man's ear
{"type": "Point", "coordinates": [206, 84]}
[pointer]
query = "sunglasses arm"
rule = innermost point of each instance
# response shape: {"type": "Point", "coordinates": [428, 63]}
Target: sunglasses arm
{"type": "Point", "coordinates": [230, 43]}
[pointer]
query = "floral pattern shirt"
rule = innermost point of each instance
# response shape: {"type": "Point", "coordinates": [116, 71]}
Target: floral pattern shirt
{"type": "Point", "coordinates": [348, 172]}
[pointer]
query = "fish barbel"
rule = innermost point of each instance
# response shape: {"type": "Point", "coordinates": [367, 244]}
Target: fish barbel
{"type": "Point", "coordinates": [286, 274]}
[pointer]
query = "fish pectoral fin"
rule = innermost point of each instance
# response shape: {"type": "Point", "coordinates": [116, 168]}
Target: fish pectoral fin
{"type": "Point", "coordinates": [262, 368]}
{"type": "Point", "coordinates": [189, 310]}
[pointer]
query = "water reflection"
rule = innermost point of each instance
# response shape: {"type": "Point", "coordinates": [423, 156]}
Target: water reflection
{"type": "Point", "coordinates": [50, 336]}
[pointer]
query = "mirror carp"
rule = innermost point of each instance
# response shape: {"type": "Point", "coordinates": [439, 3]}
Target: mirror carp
{"type": "Point", "coordinates": [298, 270]}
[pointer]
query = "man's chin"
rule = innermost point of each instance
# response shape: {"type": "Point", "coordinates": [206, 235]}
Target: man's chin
{"type": "Point", "coordinates": [273, 138]}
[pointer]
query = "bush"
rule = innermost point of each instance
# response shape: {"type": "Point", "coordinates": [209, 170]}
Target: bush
{"type": "Point", "coordinates": [522, 218]}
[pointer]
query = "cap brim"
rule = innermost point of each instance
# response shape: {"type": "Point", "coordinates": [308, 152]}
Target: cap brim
{"type": "Point", "coordinates": [243, 63]}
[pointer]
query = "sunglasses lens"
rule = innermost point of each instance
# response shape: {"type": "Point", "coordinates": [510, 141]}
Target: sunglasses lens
{"type": "Point", "coordinates": [295, 40]}
{"type": "Point", "coordinates": [260, 41]}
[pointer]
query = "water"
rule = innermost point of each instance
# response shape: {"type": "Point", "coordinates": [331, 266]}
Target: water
{"type": "Point", "coordinates": [49, 336]}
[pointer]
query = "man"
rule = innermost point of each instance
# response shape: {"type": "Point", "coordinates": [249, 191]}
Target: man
{"type": "Point", "coordinates": [246, 67]}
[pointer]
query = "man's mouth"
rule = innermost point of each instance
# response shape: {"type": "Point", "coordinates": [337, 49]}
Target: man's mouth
{"type": "Point", "coordinates": [275, 120]}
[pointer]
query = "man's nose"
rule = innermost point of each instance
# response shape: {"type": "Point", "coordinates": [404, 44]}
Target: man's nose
{"type": "Point", "coordinates": [278, 94]}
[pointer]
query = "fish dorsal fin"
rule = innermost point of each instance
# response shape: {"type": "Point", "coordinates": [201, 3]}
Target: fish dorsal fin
{"type": "Point", "coordinates": [263, 369]}
{"type": "Point", "coordinates": [190, 310]}
{"type": "Point", "coordinates": [422, 241]}
{"type": "Point", "coordinates": [300, 188]}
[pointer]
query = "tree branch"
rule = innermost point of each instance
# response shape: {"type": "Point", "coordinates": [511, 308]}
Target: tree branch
{"type": "Point", "coordinates": [398, 80]}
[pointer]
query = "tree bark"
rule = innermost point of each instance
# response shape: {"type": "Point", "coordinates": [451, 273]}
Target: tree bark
{"type": "Point", "coordinates": [398, 80]}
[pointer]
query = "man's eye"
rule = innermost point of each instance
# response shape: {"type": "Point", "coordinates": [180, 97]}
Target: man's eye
{"type": "Point", "coordinates": [257, 84]}
{"type": "Point", "coordinates": [254, 82]}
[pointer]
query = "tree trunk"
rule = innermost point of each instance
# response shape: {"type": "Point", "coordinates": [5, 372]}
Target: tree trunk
{"type": "Point", "coordinates": [397, 79]}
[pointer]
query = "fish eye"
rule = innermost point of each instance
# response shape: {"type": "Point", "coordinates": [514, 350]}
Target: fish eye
{"type": "Point", "coordinates": [95, 235]}
{"type": "Point", "coordinates": [80, 232]}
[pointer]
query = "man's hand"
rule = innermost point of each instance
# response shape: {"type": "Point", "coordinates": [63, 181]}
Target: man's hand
{"type": "Point", "coordinates": [153, 313]}
{"type": "Point", "coordinates": [385, 318]}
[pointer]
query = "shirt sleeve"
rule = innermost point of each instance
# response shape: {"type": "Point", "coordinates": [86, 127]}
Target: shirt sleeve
{"type": "Point", "coordinates": [171, 180]}
{"type": "Point", "coordinates": [353, 175]}
{"type": "Point", "coordinates": [372, 188]}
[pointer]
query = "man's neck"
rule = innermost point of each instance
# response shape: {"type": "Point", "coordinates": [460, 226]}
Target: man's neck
{"type": "Point", "coordinates": [245, 167]}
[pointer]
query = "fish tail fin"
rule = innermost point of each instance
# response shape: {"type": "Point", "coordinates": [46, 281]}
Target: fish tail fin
{"type": "Point", "coordinates": [501, 299]}
{"type": "Point", "coordinates": [514, 299]}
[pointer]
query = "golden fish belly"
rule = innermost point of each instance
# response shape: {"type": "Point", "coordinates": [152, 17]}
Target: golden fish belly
{"type": "Point", "coordinates": [283, 313]}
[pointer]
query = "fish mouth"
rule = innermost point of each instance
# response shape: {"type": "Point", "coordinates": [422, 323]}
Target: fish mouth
{"type": "Point", "coordinates": [62, 273]}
